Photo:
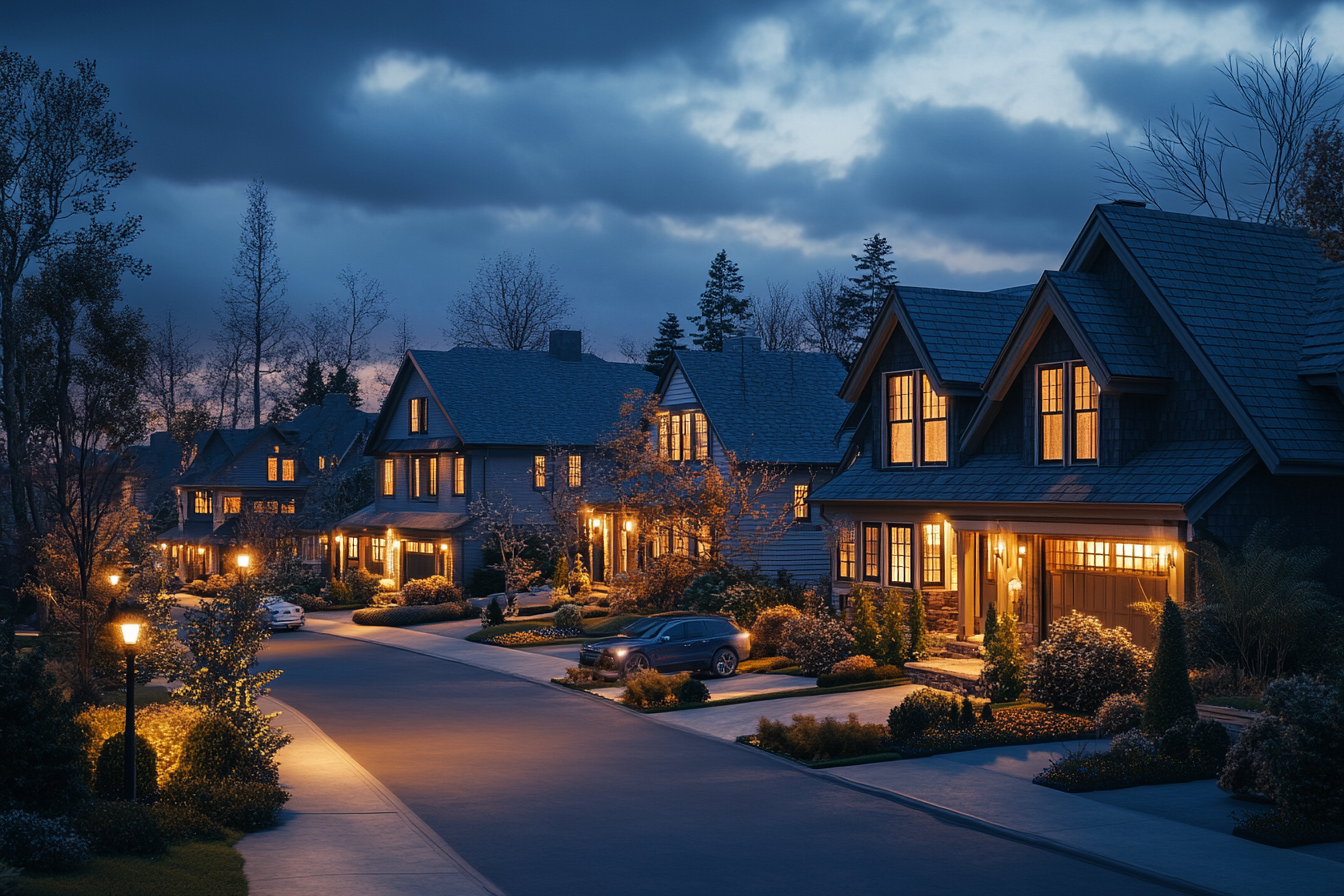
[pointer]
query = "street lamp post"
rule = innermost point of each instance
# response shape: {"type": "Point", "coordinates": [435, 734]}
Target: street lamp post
{"type": "Point", "coordinates": [243, 562]}
{"type": "Point", "coordinates": [130, 633]}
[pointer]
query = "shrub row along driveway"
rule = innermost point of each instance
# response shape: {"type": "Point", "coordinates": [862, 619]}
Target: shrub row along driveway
{"type": "Point", "coordinates": [547, 792]}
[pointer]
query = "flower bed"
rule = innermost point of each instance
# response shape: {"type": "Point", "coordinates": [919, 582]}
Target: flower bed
{"type": "Point", "coordinates": [534, 637]}
{"type": "Point", "coordinates": [1185, 753]}
{"type": "Point", "coordinates": [1009, 727]}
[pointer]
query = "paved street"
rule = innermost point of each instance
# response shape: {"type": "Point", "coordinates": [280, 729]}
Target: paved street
{"type": "Point", "coordinates": [546, 792]}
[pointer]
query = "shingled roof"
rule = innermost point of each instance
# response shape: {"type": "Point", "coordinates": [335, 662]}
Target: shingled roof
{"type": "Point", "coordinates": [777, 407]}
{"type": "Point", "coordinates": [1109, 325]}
{"type": "Point", "coordinates": [1323, 348]}
{"type": "Point", "coordinates": [1238, 296]}
{"type": "Point", "coordinates": [499, 397]}
{"type": "Point", "coordinates": [961, 331]}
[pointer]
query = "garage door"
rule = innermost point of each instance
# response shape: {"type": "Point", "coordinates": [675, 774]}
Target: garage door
{"type": "Point", "coordinates": [1104, 579]}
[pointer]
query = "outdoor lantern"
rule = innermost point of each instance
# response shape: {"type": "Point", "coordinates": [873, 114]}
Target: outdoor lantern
{"type": "Point", "coordinates": [340, 538]}
{"type": "Point", "coordinates": [999, 549]}
{"type": "Point", "coordinates": [444, 546]}
{"type": "Point", "coordinates": [629, 525]}
{"type": "Point", "coordinates": [1021, 550]}
{"type": "Point", "coordinates": [163, 545]}
{"type": "Point", "coordinates": [200, 551]}
{"type": "Point", "coordinates": [114, 579]}
{"type": "Point", "coordinates": [243, 561]}
{"type": "Point", "coordinates": [130, 633]}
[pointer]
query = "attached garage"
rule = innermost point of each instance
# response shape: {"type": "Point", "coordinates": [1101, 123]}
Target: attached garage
{"type": "Point", "coordinates": [1105, 579]}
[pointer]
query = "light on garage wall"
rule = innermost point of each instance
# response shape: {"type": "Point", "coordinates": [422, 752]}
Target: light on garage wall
{"type": "Point", "coordinates": [1021, 550]}
{"type": "Point", "coordinates": [999, 549]}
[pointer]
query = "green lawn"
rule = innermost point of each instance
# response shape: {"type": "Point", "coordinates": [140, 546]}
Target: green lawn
{"type": "Point", "coordinates": [199, 869]}
{"type": "Point", "coordinates": [601, 627]}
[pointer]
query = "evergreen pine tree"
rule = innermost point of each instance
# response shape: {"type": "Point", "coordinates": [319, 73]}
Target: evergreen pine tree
{"type": "Point", "coordinates": [893, 630]}
{"type": "Point", "coordinates": [986, 712]}
{"type": "Point", "coordinates": [313, 388]}
{"type": "Point", "coordinates": [723, 310]}
{"type": "Point", "coordinates": [918, 648]}
{"type": "Point", "coordinates": [494, 614]}
{"type": "Point", "coordinates": [560, 578]}
{"type": "Point", "coordinates": [967, 717]}
{"type": "Point", "coordinates": [1005, 668]}
{"type": "Point", "coordinates": [866, 638]}
{"type": "Point", "coordinates": [991, 624]}
{"type": "Point", "coordinates": [341, 382]}
{"type": "Point", "coordinates": [864, 295]}
{"type": "Point", "coordinates": [44, 748]}
{"type": "Point", "coordinates": [669, 339]}
{"type": "Point", "coordinates": [1170, 698]}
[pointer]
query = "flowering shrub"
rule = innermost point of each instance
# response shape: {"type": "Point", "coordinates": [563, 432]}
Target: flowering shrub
{"type": "Point", "coordinates": [429, 591]}
{"type": "Point", "coordinates": [767, 633]}
{"type": "Point", "coordinates": [40, 844]}
{"type": "Point", "coordinates": [1119, 712]}
{"type": "Point", "coordinates": [650, 689]}
{"type": "Point", "coordinates": [534, 636]}
{"type": "Point", "coordinates": [1132, 740]}
{"type": "Point", "coordinates": [816, 644]}
{"type": "Point", "coordinates": [569, 617]}
{"type": "Point", "coordinates": [1081, 664]}
{"type": "Point", "coordinates": [810, 740]}
{"type": "Point", "coordinates": [854, 664]}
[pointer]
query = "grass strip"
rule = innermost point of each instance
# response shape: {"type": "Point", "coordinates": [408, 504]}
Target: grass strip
{"type": "Point", "coordinates": [201, 869]}
{"type": "Point", "coordinates": [750, 698]}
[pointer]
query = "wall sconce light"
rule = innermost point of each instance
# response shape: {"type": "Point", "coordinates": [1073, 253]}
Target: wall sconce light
{"type": "Point", "coordinates": [999, 548]}
{"type": "Point", "coordinates": [597, 523]}
{"type": "Point", "coordinates": [114, 579]}
{"type": "Point", "coordinates": [163, 545]}
{"type": "Point", "coordinates": [444, 546]}
{"type": "Point", "coordinates": [1014, 586]}
{"type": "Point", "coordinates": [244, 561]}
{"type": "Point", "coordinates": [340, 538]}
{"type": "Point", "coordinates": [1021, 550]}
{"type": "Point", "coordinates": [629, 525]}
{"type": "Point", "coordinates": [200, 551]}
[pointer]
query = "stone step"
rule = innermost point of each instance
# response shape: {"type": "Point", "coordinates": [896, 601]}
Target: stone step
{"type": "Point", "coordinates": [968, 649]}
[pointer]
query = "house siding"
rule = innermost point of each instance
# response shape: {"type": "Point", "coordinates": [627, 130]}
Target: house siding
{"type": "Point", "coordinates": [678, 391]}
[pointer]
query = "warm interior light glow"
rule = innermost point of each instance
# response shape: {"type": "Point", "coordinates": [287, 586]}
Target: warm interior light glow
{"type": "Point", "coordinates": [444, 546]}
{"type": "Point", "coordinates": [200, 550]}
{"type": "Point", "coordinates": [114, 578]}
{"type": "Point", "coordinates": [340, 538]}
{"type": "Point", "coordinates": [163, 545]}
{"type": "Point", "coordinates": [130, 631]}
{"type": "Point", "coordinates": [629, 525]}
{"type": "Point", "coordinates": [1021, 550]}
{"type": "Point", "coordinates": [243, 561]}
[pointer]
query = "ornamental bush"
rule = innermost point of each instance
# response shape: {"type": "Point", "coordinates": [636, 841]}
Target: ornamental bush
{"type": "Point", "coordinates": [767, 634]}
{"type": "Point", "coordinates": [1170, 701]}
{"type": "Point", "coordinates": [398, 616]}
{"type": "Point", "coordinates": [45, 764]}
{"type": "Point", "coordinates": [857, 663]}
{"type": "Point", "coordinates": [429, 592]}
{"type": "Point", "coordinates": [1081, 663]}
{"type": "Point", "coordinates": [109, 777]}
{"type": "Point", "coordinates": [246, 806]}
{"type": "Point", "coordinates": [1119, 712]}
{"type": "Point", "coordinates": [215, 751]}
{"type": "Point", "coordinates": [182, 824]}
{"type": "Point", "coordinates": [816, 644]}
{"type": "Point", "coordinates": [560, 578]}
{"type": "Point", "coordinates": [363, 585]}
{"type": "Point", "coordinates": [692, 690]}
{"type": "Point", "coordinates": [866, 636]}
{"type": "Point", "coordinates": [917, 647]}
{"type": "Point", "coordinates": [892, 644]}
{"type": "Point", "coordinates": [651, 688]}
{"type": "Point", "coordinates": [290, 577]}
{"type": "Point", "coordinates": [1005, 667]}
{"type": "Point", "coordinates": [921, 711]}
{"type": "Point", "coordinates": [493, 615]}
{"type": "Point", "coordinates": [810, 740]}
{"type": "Point", "coordinates": [859, 676]}
{"type": "Point", "coordinates": [569, 616]}
{"type": "Point", "coordinates": [122, 829]}
{"type": "Point", "coordinates": [29, 841]}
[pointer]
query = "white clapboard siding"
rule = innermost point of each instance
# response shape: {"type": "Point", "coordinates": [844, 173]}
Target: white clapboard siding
{"type": "Point", "coordinates": [678, 391]}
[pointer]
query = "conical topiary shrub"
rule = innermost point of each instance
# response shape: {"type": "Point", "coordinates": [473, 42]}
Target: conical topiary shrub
{"type": "Point", "coordinates": [991, 623]}
{"type": "Point", "coordinates": [560, 578]}
{"type": "Point", "coordinates": [918, 647]}
{"type": "Point", "coordinates": [494, 614]}
{"type": "Point", "coordinates": [893, 631]}
{"type": "Point", "coordinates": [1170, 699]}
{"type": "Point", "coordinates": [1005, 668]}
{"type": "Point", "coordinates": [865, 625]}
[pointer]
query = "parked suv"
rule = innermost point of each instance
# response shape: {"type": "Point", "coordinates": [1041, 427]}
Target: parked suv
{"type": "Point", "coordinates": [671, 642]}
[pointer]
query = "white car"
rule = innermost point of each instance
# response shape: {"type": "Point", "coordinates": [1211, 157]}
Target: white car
{"type": "Point", "coordinates": [281, 614]}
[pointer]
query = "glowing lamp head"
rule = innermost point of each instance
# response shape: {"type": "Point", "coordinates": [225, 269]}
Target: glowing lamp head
{"type": "Point", "coordinates": [629, 525]}
{"type": "Point", "coordinates": [130, 633]}
{"type": "Point", "coordinates": [244, 561]}
{"type": "Point", "coordinates": [444, 546]}
{"type": "Point", "coordinates": [1021, 550]}
{"type": "Point", "coordinates": [201, 551]}
{"type": "Point", "coordinates": [999, 549]}
{"type": "Point", "coordinates": [1015, 586]}
{"type": "Point", "coordinates": [114, 579]}
{"type": "Point", "coordinates": [340, 538]}
{"type": "Point", "coordinates": [163, 545]}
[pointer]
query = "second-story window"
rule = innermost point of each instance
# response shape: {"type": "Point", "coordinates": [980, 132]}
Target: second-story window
{"type": "Point", "coordinates": [933, 424]}
{"type": "Point", "coordinates": [801, 509]}
{"type": "Point", "coordinates": [845, 554]}
{"type": "Point", "coordinates": [272, 469]}
{"type": "Point", "coordinates": [459, 475]}
{"type": "Point", "coordinates": [575, 470]}
{"type": "Point", "coordinates": [701, 437]}
{"type": "Point", "coordinates": [539, 471]}
{"type": "Point", "coordinates": [233, 504]}
{"type": "Point", "coordinates": [389, 476]}
{"type": "Point", "coordinates": [915, 438]}
{"type": "Point", "coordinates": [424, 477]}
{"type": "Point", "coordinates": [683, 435]}
{"type": "Point", "coordinates": [1067, 392]}
{"type": "Point", "coordinates": [204, 502]}
{"type": "Point", "coordinates": [901, 419]}
{"type": "Point", "coordinates": [419, 422]}
{"type": "Point", "coordinates": [287, 469]}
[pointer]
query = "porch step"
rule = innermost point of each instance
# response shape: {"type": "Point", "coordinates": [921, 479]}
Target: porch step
{"type": "Point", "coordinates": [966, 649]}
{"type": "Point", "coordinates": [960, 676]}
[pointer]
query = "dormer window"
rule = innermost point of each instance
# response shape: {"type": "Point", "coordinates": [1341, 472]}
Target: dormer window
{"type": "Point", "coordinates": [1068, 399]}
{"type": "Point", "coordinates": [419, 416]}
{"type": "Point", "coordinates": [907, 430]}
{"type": "Point", "coordinates": [683, 435]}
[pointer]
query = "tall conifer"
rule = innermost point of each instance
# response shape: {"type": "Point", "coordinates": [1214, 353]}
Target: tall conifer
{"type": "Point", "coordinates": [1170, 698]}
{"type": "Point", "coordinates": [723, 309]}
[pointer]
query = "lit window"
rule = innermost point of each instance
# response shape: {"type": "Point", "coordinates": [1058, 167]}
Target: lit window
{"type": "Point", "coordinates": [377, 549]}
{"type": "Point", "coordinates": [233, 504]}
{"type": "Point", "coordinates": [674, 438]}
{"type": "Point", "coordinates": [416, 476]}
{"type": "Point", "coordinates": [900, 553]}
{"type": "Point", "coordinates": [419, 547]}
{"type": "Point", "coordinates": [845, 552]}
{"type": "Point", "coordinates": [417, 415]}
{"type": "Point", "coordinates": [1137, 558]}
{"type": "Point", "coordinates": [433, 483]}
{"type": "Point", "coordinates": [801, 509]}
{"type": "Point", "coordinates": [872, 552]}
{"type": "Point", "coordinates": [664, 425]}
{"type": "Point", "coordinates": [389, 476]}
{"type": "Point", "coordinates": [352, 547]}
{"type": "Point", "coordinates": [1085, 394]}
{"type": "Point", "coordinates": [933, 421]}
{"type": "Point", "coordinates": [701, 437]}
{"type": "Point", "coordinates": [932, 554]}
{"type": "Point", "coordinates": [901, 418]}
{"type": "Point", "coordinates": [287, 469]}
{"type": "Point", "coordinates": [204, 502]}
{"type": "Point", "coordinates": [265, 507]}
{"type": "Point", "coordinates": [272, 469]}
{"type": "Point", "coordinates": [459, 475]}
{"type": "Point", "coordinates": [321, 462]}
{"type": "Point", "coordinates": [539, 471]}
{"type": "Point", "coordinates": [287, 506]}
{"type": "Point", "coordinates": [1052, 413]}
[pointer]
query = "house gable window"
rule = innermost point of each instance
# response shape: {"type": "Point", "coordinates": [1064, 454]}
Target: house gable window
{"type": "Point", "coordinates": [418, 416]}
{"type": "Point", "coordinates": [287, 469]}
{"type": "Point", "coordinates": [233, 504]}
{"type": "Point", "coordinates": [459, 475]}
{"type": "Point", "coordinates": [389, 477]}
{"type": "Point", "coordinates": [900, 551]}
{"type": "Point", "coordinates": [915, 438]}
{"type": "Point", "coordinates": [801, 509]}
{"type": "Point", "coordinates": [575, 470]}
{"type": "Point", "coordinates": [931, 554]}
{"type": "Point", "coordinates": [204, 502]}
{"type": "Point", "coordinates": [872, 552]}
{"type": "Point", "coordinates": [845, 554]}
{"type": "Point", "coordinates": [683, 435]}
{"type": "Point", "coordinates": [272, 469]}
{"type": "Point", "coordinates": [1067, 407]}
{"type": "Point", "coordinates": [539, 471]}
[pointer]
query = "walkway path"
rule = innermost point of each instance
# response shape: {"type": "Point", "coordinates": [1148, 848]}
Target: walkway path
{"type": "Point", "coordinates": [341, 821]}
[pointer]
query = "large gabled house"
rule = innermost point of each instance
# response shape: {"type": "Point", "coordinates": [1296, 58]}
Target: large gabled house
{"type": "Point", "coordinates": [776, 409]}
{"type": "Point", "coordinates": [468, 422]}
{"type": "Point", "coordinates": [1059, 448]}
{"type": "Point", "coordinates": [265, 470]}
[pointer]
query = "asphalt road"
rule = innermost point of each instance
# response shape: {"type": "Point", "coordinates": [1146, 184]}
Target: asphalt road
{"type": "Point", "coordinates": [552, 793]}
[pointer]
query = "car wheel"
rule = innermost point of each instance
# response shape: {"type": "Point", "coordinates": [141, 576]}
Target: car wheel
{"type": "Point", "coordinates": [637, 663]}
{"type": "Point", "coordinates": [724, 663]}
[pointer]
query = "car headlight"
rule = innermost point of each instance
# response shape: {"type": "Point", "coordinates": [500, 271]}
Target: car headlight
{"type": "Point", "coordinates": [621, 652]}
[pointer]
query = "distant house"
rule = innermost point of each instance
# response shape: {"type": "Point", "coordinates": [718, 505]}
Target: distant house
{"type": "Point", "coordinates": [779, 409]}
{"type": "Point", "coordinates": [468, 422]}
{"type": "Point", "coordinates": [266, 470]}
{"type": "Point", "coordinates": [1058, 447]}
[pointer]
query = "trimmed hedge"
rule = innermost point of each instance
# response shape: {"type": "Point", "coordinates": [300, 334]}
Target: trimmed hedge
{"type": "Point", "coordinates": [244, 806]}
{"type": "Point", "coordinates": [399, 616]}
{"type": "Point", "coordinates": [35, 843]}
{"type": "Point", "coordinates": [877, 673]}
{"type": "Point", "coordinates": [122, 829]}
{"type": "Point", "coordinates": [811, 741]}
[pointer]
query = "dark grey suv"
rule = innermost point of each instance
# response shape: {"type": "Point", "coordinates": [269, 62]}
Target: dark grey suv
{"type": "Point", "coordinates": [673, 642]}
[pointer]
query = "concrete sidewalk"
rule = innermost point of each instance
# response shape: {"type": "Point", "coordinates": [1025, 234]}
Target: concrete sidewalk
{"type": "Point", "coordinates": [343, 832]}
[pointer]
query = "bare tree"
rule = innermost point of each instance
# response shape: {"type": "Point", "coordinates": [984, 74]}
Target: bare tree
{"type": "Point", "coordinates": [172, 363]}
{"type": "Point", "coordinates": [1239, 158]}
{"type": "Point", "coordinates": [509, 529]}
{"type": "Point", "coordinates": [403, 340]}
{"type": "Point", "coordinates": [512, 303]}
{"type": "Point", "coordinates": [254, 309]}
{"type": "Point", "coordinates": [633, 351]}
{"type": "Point", "coordinates": [224, 376]}
{"type": "Point", "coordinates": [825, 324]}
{"type": "Point", "coordinates": [61, 153]}
{"type": "Point", "coordinates": [779, 320]}
{"type": "Point", "coordinates": [356, 315]}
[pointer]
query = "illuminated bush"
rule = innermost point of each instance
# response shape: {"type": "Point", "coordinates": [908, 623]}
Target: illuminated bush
{"type": "Point", "coordinates": [1081, 664]}
{"type": "Point", "coordinates": [816, 644]}
{"type": "Point", "coordinates": [768, 632]}
{"type": "Point", "coordinates": [429, 591]}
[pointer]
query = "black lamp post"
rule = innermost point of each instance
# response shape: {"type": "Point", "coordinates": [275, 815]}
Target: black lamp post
{"type": "Point", "coordinates": [130, 633]}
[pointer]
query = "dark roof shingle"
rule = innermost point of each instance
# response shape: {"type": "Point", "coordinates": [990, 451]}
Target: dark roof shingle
{"type": "Point", "coordinates": [962, 331]}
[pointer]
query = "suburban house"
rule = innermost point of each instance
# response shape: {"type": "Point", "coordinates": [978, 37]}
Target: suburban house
{"type": "Point", "coordinates": [457, 425]}
{"type": "Point", "coordinates": [779, 410]}
{"type": "Point", "coordinates": [1060, 447]}
{"type": "Point", "coordinates": [266, 470]}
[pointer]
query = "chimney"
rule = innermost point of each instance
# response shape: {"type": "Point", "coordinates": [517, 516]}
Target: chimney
{"type": "Point", "coordinates": [567, 345]}
{"type": "Point", "coordinates": [335, 400]}
{"type": "Point", "coordinates": [742, 343]}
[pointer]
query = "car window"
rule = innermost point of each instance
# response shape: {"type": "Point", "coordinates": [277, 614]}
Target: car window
{"type": "Point", "coordinates": [676, 631]}
{"type": "Point", "coordinates": [641, 627]}
{"type": "Point", "coordinates": [696, 629]}
{"type": "Point", "coordinates": [721, 627]}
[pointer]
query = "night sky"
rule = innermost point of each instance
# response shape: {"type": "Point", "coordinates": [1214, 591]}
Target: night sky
{"type": "Point", "coordinates": [628, 142]}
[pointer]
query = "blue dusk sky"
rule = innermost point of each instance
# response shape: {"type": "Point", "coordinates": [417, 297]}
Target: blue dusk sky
{"type": "Point", "coordinates": [626, 143]}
